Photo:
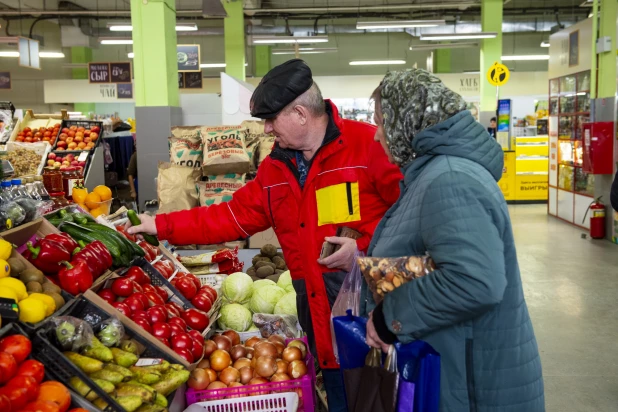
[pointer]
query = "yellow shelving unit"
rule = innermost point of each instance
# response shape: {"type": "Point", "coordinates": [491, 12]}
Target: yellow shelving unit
{"type": "Point", "coordinates": [526, 170]}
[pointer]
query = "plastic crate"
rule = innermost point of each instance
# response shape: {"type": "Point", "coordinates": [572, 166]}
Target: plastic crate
{"type": "Point", "coordinates": [87, 124]}
{"type": "Point", "coordinates": [62, 369]}
{"type": "Point", "coordinates": [303, 386]}
{"type": "Point", "coordinates": [276, 402]}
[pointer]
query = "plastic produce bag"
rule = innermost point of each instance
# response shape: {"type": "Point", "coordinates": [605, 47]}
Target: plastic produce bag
{"type": "Point", "coordinates": [111, 332]}
{"type": "Point", "coordinates": [70, 333]}
{"type": "Point", "coordinates": [284, 325]}
{"type": "Point", "coordinates": [12, 213]}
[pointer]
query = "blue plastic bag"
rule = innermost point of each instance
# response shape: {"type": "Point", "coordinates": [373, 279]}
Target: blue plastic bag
{"type": "Point", "coordinates": [350, 333]}
{"type": "Point", "coordinates": [419, 363]}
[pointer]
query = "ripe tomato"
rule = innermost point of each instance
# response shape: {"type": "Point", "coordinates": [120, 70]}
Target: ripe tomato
{"type": "Point", "coordinates": [138, 275]}
{"type": "Point", "coordinates": [32, 368]}
{"type": "Point", "coordinates": [25, 382]}
{"type": "Point", "coordinates": [41, 406]}
{"type": "Point", "coordinates": [5, 403]}
{"type": "Point", "coordinates": [196, 319]}
{"type": "Point", "coordinates": [55, 392]}
{"type": "Point", "coordinates": [17, 396]}
{"type": "Point", "coordinates": [17, 345]}
{"type": "Point", "coordinates": [8, 366]}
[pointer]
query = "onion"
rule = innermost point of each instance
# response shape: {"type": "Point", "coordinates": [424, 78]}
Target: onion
{"type": "Point", "coordinates": [238, 393]}
{"type": "Point", "coordinates": [254, 362]}
{"type": "Point", "coordinates": [233, 335]}
{"type": "Point", "coordinates": [229, 375]}
{"type": "Point", "coordinates": [212, 375]}
{"type": "Point", "coordinates": [282, 366]}
{"type": "Point", "coordinates": [223, 342]}
{"type": "Point", "coordinates": [220, 360]}
{"type": "Point", "coordinates": [204, 363]}
{"type": "Point", "coordinates": [300, 345]}
{"type": "Point", "coordinates": [265, 349]}
{"type": "Point", "coordinates": [280, 377]}
{"type": "Point", "coordinates": [246, 374]}
{"type": "Point", "coordinates": [252, 341]}
{"type": "Point", "coordinates": [209, 347]}
{"type": "Point", "coordinates": [292, 353]}
{"type": "Point", "coordinates": [242, 362]}
{"type": "Point", "coordinates": [297, 369]}
{"type": "Point", "coordinates": [276, 338]}
{"type": "Point", "coordinates": [237, 352]}
{"type": "Point", "coordinates": [266, 366]}
{"type": "Point", "coordinates": [280, 348]}
{"type": "Point", "coordinates": [216, 385]}
{"type": "Point", "coordinates": [198, 379]}
{"type": "Point", "coordinates": [258, 381]}
{"type": "Point", "coordinates": [250, 352]}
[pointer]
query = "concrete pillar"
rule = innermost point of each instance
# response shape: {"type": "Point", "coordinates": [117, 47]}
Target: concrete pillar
{"type": "Point", "coordinates": [234, 33]}
{"type": "Point", "coordinates": [262, 60]}
{"type": "Point", "coordinates": [82, 55]}
{"type": "Point", "coordinates": [491, 52]}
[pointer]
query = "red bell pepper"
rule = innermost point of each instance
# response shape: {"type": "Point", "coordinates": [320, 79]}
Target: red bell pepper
{"type": "Point", "coordinates": [75, 278]}
{"type": "Point", "coordinates": [47, 255]}
{"type": "Point", "coordinates": [96, 256]}
{"type": "Point", "coordinates": [65, 240]}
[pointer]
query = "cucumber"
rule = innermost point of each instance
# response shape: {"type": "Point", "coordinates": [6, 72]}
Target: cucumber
{"type": "Point", "coordinates": [132, 247]}
{"type": "Point", "coordinates": [135, 221]}
{"type": "Point", "coordinates": [79, 233]}
{"type": "Point", "coordinates": [79, 219]}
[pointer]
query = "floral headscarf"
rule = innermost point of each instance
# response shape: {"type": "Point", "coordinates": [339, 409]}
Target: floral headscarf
{"type": "Point", "coordinates": [411, 101]}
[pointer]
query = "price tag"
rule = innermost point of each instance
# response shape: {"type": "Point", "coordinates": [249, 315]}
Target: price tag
{"type": "Point", "coordinates": [149, 362]}
{"type": "Point", "coordinates": [82, 156]}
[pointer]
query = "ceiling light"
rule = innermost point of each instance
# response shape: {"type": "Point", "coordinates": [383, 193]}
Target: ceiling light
{"type": "Point", "coordinates": [459, 36]}
{"type": "Point", "coordinates": [112, 40]}
{"type": "Point", "coordinates": [420, 47]}
{"type": "Point", "coordinates": [52, 55]}
{"type": "Point", "coordinates": [472, 72]}
{"type": "Point", "coordinates": [215, 65]}
{"type": "Point", "coordinates": [288, 39]}
{"type": "Point", "coordinates": [131, 55]}
{"type": "Point", "coordinates": [129, 27]}
{"type": "Point", "coordinates": [306, 50]}
{"type": "Point", "coordinates": [544, 44]}
{"type": "Point", "coordinates": [186, 27]}
{"type": "Point", "coordinates": [526, 57]}
{"type": "Point", "coordinates": [9, 54]}
{"type": "Point", "coordinates": [376, 62]}
{"type": "Point", "coordinates": [398, 24]}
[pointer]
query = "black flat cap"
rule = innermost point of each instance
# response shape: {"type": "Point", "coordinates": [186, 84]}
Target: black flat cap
{"type": "Point", "coordinates": [280, 87]}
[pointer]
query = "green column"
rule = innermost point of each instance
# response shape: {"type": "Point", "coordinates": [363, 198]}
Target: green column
{"type": "Point", "coordinates": [442, 61]}
{"type": "Point", "coordinates": [154, 46]}
{"type": "Point", "coordinates": [607, 60]}
{"type": "Point", "coordinates": [491, 50]}
{"type": "Point", "coordinates": [262, 60]}
{"type": "Point", "coordinates": [82, 55]}
{"type": "Point", "coordinates": [234, 33]}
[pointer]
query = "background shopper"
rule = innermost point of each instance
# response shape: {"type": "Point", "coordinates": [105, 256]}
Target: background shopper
{"type": "Point", "coordinates": [471, 309]}
{"type": "Point", "coordinates": [323, 173]}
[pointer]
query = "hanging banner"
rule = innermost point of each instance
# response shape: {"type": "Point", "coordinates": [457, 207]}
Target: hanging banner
{"type": "Point", "coordinates": [188, 56]}
{"type": "Point", "coordinates": [193, 80]}
{"type": "Point", "coordinates": [120, 72]}
{"type": "Point", "coordinates": [125, 90]}
{"type": "Point", "coordinates": [98, 72]}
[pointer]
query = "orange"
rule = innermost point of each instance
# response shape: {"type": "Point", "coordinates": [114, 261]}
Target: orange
{"type": "Point", "coordinates": [83, 206]}
{"type": "Point", "coordinates": [101, 210]}
{"type": "Point", "coordinates": [103, 191]}
{"type": "Point", "coordinates": [92, 200]}
{"type": "Point", "coordinates": [55, 392]}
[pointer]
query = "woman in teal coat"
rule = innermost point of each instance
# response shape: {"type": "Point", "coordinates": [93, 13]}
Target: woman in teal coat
{"type": "Point", "coordinates": [471, 309]}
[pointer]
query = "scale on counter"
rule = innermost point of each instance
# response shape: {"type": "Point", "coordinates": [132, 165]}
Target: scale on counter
{"type": "Point", "coordinates": [7, 170]}
{"type": "Point", "coordinates": [9, 311]}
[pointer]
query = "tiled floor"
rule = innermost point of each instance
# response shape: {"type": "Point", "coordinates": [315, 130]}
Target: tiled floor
{"type": "Point", "coordinates": [571, 287]}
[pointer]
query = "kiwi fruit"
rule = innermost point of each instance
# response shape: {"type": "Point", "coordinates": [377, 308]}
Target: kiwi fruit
{"type": "Point", "coordinates": [49, 287]}
{"type": "Point", "coordinates": [269, 251]}
{"type": "Point", "coordinates": [31, 275]}
{"type": "Point", "coordinates": [264, 272]}
{"type": "Point", "coordinates": [34, 287]}
{"type": "Point", "coordinates": [57, 298]}
{"type": "Point", "coordinates": [262, 264]}
{"type": "Point", "coordinates": [17, 266]}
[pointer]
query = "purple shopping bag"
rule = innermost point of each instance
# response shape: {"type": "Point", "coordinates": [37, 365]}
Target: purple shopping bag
{"type": "Point", "coordinates": [405, 397]}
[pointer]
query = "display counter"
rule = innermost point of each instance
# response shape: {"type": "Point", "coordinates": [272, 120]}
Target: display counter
{"type": "Point", "coordinates": [525, 173]}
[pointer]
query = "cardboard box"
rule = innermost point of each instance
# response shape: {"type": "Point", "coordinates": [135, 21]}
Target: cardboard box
{"type": "Point", "coordinates": [22, 234]}
{"type": "Point", "coordinates": [264, 238]}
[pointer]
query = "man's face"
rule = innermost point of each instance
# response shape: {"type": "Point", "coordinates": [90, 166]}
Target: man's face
{"type": "Point", "coordinates": [492, 124]}
{"type": "Point", "coordinates": [287, 129]}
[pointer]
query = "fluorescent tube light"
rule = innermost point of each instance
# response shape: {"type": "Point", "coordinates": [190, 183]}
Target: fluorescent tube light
{"type": "Point", "coordinates": [131, 55]}
{"type": "Point", "coordinates": [459, 36]}
{"type": "Point", "coordinates": [215, 65]}
{"type": "Point", "coordinates": [306, 50]}
{"type": "Point", "coordinates": [9, 54]}
{"type": "Point", "coordinates": [288, 39]}
{"type": "Point", "coordinates": [129, 27]}
{"type": "Point", "coordinates": [376, 62]}
{"type": "Point", "coordinates": [52, 55]}
{"type": "Point", "coordinates": [463, 45]}
{"type": "Point", "coordinates": [526, 57]}
{"type": "Point", "coordinates": [120, 27]}
{"type": "Point", "coordinates": [186, 27]}
{"type": "Point", "coordinates": [398, 24]}
{"type": "Point", "coordinates": [545, 44]}
{"type": "Point", "coordinates": [111, 40]}
{"type": "Point", "coordinates": [472, 72]}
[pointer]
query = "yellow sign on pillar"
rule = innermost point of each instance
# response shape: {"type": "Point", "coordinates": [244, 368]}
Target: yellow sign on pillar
{"type": "Point", "coordinates": [498, 74]}
{"type": "Point", "coordinates": [507, 182]}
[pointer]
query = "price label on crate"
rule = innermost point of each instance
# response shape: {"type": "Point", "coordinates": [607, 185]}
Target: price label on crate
{"type": "Point", "coordinates": [82, 156]}
{"type": "Point", "coordinates": [149, 362]}
{"type": "Point", "coordinates": [210, 280]}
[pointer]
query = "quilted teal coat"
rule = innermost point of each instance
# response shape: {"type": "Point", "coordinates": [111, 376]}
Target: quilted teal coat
{"type": "Point", "coordinates": [471, 309]}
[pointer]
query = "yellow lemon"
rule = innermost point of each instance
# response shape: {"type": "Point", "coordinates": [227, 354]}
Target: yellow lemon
{"type": "Point", "coordinates": [104, 192]}
{"type": "Point", "coordinates": [49, 302]}
{"type": "Point", "coordinates": [17, 285]}
{"type": "Point", "coordinates": [5, 249]}
{"type": "Point", "coordinates": [31, 310]}
{"type": "Point", "coordinates": [5, 269]}
{"type": "Point", "coordinates": [8, 293]}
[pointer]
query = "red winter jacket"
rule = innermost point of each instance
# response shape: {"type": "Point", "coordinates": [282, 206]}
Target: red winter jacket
{"type": "Point", "coordinates": [350, 183]}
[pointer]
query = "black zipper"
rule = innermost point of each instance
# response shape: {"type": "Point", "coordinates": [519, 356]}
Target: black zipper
{"type": "Point", "coordinates": [348, 188]}
{"type": "Point", "coordinates": [270, 209]}
{"type": "Point", "coordinates": [470, 374]}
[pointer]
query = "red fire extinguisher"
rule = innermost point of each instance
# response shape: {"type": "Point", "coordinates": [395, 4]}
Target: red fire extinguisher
{"type": "Point", "coordinates": [597, 219]}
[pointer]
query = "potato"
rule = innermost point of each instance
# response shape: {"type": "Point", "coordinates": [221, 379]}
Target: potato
{"type": "Point", "coordinates": [274, 278]}
{"type": "Point", "coordinates": [251, 271]}
{"type": "Point", "coordinates": [260, 258]}
{"type": "Point", "coordinates": [269, 251]}
{"type": "Point", "coordinates": [279, 263]}
{"type": "Point", "coordinates": [262, 264]}
{"type": "Point", "coordinates": [264, 272]}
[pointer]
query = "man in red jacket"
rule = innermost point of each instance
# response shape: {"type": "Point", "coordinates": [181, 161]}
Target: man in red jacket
{"type": "Point", "coordinates": [323, 173]}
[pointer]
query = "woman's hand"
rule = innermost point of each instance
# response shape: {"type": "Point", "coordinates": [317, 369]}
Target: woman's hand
{"type": "Point", "coordinates": [373, 339]}
{"type": "Point", "coordinates": [148, 226]}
